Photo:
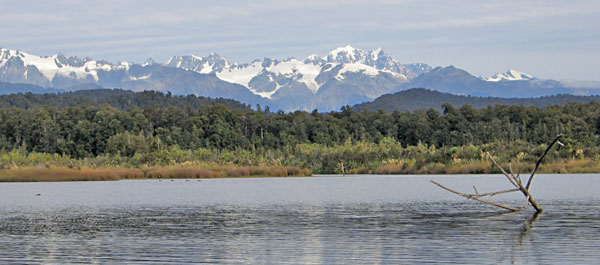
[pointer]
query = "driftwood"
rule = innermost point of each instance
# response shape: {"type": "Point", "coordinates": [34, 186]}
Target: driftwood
{"type": "Point", "coordinates": [514, 180]}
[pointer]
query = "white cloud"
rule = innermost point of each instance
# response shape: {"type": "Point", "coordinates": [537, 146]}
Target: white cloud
{"type": "Point", "coordinates": [412, 30]}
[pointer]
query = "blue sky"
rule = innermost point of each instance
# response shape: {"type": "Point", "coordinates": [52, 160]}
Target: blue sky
{"type": "Point", "coordinates": [548, 39]}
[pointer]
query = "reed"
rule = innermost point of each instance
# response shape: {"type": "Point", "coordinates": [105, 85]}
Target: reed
{"type": "Point", "coordinates": [572, 166]}
{"type": "Point", "coordinates": [268, 171]}
{"type": "Point", "coordinates": [359, 170]}
{"type": "Point", "coordinates": [482, 167]}
{"type": "Point", "coordinates": [182, 173]}
{"type": "Point", "coordinates": [278, 172]}
{"type": "Point", "coordinates": [56, 174]}
{"type": "Point", "coordinates": [98, 174]}
{"type": "Point", "coordinates": [402, 168]}
{"type": "Point", "coordinates": [126, 173]}
{"type": "Point", "coordinates": [238, 172]}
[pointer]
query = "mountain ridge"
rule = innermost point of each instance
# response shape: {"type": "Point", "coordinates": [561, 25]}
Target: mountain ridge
{"type": "Point", "coordinates": [422, 99]}
{"type": "Point", "coordinates": [344, 76]}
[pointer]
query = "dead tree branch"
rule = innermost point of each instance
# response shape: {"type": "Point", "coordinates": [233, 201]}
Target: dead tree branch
{"type": "Point", "coordinates": [495, 193]}
{"type": "Point", "coordinates": [556, 140]}
{"type": "Point", "coordinates": [518, 185]}
{"type": "Point", "coordinates": [476, 197]}
{"type": "Point", "coordinates": [514, 180]}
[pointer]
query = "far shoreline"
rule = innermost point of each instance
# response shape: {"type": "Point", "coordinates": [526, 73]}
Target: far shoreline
{"type": "Point", "coordinates": [100, 179]}
{"type": "Point", "coordinates": [61, 174]}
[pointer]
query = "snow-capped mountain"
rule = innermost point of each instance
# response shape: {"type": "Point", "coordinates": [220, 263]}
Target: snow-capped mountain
{"type": "Point", "coordinates": [50, 71]}
{"type": "Point", "coordinates": [344, 76]}
{"type": "Point", "coordinates": [457, 81]}
{"type": "Point", "coordinates": [376, 58]}
{"type": "Point", "coordinates": [271, 78]}
{"type": "Point", "coordinates": [71, 73]}
{"type": "Point", "coordinates": [510, 75]}
{"type": "Point", "coordinates": [204, 65]}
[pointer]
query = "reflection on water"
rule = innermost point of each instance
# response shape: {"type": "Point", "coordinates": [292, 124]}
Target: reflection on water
{"type": "Point", "coordinates": [307, 223]}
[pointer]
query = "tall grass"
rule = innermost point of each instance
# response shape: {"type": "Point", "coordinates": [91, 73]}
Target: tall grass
{"type": "Point", "coordinates": [182, 173]}
{"type": "Point", "coordinates": [485, 167]}
{"type": "Point", "coordinates": [268, 171]}
{"type": "Point", "coordinates": [572, 166]}
{"type": "Point", "coordinates": [56, 174]}
{"type": "Point", "coordinates": [88, 174]}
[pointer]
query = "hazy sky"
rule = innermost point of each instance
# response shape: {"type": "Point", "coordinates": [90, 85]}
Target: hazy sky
{"type": "Point", "coordinates": [546, 38]}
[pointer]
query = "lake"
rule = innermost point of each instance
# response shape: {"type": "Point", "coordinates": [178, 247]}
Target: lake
{"type": "Point", "coordinates": [315, 220]}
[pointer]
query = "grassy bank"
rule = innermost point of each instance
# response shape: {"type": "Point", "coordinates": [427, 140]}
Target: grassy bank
{"type": "Point", "coordinates": [104, 174]}
{"type": "Point", "coordinates": [195, 172]}
{"type": "Point", "coordinates": [484, 167]}
{"type": "Point", "coordinates": [386, 157]}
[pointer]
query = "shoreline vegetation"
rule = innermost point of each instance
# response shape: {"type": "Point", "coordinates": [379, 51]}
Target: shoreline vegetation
{"type": "Point", "coordinates": [150, 134]}
{"type": "Point", "coordinates": [60, 174]}
{"type": "Point", "coordinates": [112, 174]}
{"type": "Point", "coordinates": [388, 157]}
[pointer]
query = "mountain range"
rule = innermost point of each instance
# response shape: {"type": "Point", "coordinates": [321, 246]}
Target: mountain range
{"type": "Point", "coordinates": [345, 76]}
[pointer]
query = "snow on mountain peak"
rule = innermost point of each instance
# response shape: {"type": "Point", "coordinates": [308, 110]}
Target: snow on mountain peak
{"type": "Point", "coordinates": [375, 53]}
{"type": "Point", "coordinates": [510, 75]}
{"type": "Point", "coordinates": [376, 58]}
{"type": "Point", "coordinates": [57, 64]}
{"type": "Point", "coordinates": [5, 54]}
{"type": "Point", "coordinates": [346, 54]}
{"type": "Point", "coordinates": [201, 64]}
{"type": "Point", "coordinates": [262, 77]}
{"type": "Point", "coordinates": [349, 54]}
{"type": "Point", "coordinates": [356, 68]}
{"type": "Point", "coordinates": [313, 57]}
{"type": "Point", "coordinates": [346, 49]}
{"type": "Point", "coordinates": [518, 75]}
{"type": "Point", "coordinates": [364, 69]}
{"type": "Point", "coordinates": [240, 75]}
{"type": "Point", "coordinates": [275, 73]}
{"type": "Point", "coordinates": [305, 73]}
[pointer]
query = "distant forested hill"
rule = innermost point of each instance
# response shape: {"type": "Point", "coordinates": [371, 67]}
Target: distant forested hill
{"type": "Point", "coordinates": [10, 88]}
{"type": "Point", "coordinates": [122, 99]}
{"type": "Point", "coordinates": [420, 98]}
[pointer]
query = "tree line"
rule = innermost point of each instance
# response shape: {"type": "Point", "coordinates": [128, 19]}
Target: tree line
{"type": "Point", "coordinates": [118, 98]}
{"type": "Point", "coordinates": [87, 130]}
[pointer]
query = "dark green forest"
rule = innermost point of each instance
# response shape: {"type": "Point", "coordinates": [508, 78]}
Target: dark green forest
{"type": "Point", "coordinates": [87, 131]}
{"type": "Point", "coordinates": [118, 98]}
{"type": "Point", "coordinates": [153, 128]}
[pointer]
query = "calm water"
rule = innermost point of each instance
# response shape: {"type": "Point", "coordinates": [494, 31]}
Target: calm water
{"type": "Point", "coordinates": [319, 220]}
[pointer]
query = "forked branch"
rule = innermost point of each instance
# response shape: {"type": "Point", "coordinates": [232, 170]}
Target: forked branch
{"type": "Point", "coordinates": [519, 185]}
{"type": "Point", "coordinates": [514, 180]}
